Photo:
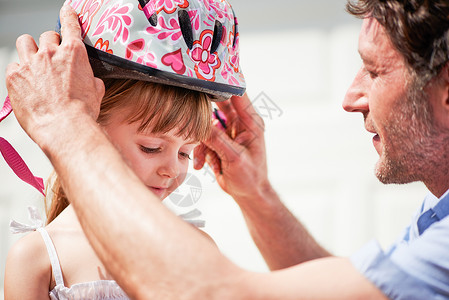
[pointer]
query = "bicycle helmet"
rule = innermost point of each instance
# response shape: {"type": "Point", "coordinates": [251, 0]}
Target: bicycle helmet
{"type": "Point", "coordinates": [192, 44]}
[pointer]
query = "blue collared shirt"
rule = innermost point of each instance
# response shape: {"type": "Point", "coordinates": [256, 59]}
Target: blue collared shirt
{"type": "Point", "coordinates": [416, 266]}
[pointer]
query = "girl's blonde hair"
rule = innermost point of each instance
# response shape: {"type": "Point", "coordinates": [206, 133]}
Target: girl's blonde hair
{"type": "Point", "coordinates": [158, 108]}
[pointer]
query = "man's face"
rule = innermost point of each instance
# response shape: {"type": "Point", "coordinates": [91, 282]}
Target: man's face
{"type": "Point", "coordinates": [383, 91]}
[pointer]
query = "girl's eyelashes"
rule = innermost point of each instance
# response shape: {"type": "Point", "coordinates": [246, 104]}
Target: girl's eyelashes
{"type": "Point", "coordinates": [185, 155]}
{"type": "Point", "coordinates": [150, 150]}
{"type": "Point", "coordinates": [159, 149]}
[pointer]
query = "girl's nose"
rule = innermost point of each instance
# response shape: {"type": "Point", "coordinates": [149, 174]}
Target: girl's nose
{"type": "Point", "coordinates": [169, 168]}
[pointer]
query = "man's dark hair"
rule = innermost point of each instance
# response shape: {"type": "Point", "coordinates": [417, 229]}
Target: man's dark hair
{"type": "Point", "coordinates": [418, 29]}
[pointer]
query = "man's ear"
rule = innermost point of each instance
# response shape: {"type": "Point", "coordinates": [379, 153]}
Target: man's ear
{"type": "Point", "coordinates": [437, 91]}
{"type": "Point", "coordinates": [444, 77]}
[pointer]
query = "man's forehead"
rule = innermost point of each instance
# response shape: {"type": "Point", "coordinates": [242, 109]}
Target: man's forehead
{"type": "Point", "coordinates": [374, 42]}
{"type": "Point", "coordinates": [368, 37]}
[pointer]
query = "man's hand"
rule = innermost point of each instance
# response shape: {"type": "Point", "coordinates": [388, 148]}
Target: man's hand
{"type": "Point", "coordinates": [54, 82]}
{"type": "Point", "coordinates": [238, 159]}
{"type": "Point", "coordinates": [237, 156]}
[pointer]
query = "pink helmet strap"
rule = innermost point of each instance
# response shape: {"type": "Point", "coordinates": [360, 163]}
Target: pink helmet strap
{"type": "Point", "coordinates": [13, 158]}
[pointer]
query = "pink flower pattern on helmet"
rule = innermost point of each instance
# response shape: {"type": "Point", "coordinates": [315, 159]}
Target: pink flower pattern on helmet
{"type": "Point", "coordinates": [144, 55]}
{"type": "Point", "coordinates": [88, 11]}
{"type": "Point", "coordinates": [206, 63]}
{"type": "Point", "coordinates": [115, 19]}
{"type": "Point", "coordinates": [170, 29]}
{"type": "Point", "coordinates": [75, 3]}
{"type": "Point", "coordinates": [103, 46]}
{"type": "Point", "coordinates": [175, 61]}
{"type": "Point", "coordinates": [170, 6]}
{"type": "Point", "coordinates": [199, 46]}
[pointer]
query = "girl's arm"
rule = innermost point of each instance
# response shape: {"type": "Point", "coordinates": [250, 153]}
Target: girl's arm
{"type": "Point", "coordinates": [28, 271]}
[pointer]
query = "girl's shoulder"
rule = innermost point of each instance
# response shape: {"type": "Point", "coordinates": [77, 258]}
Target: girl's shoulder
{"type": "Point", "coordinates": [31, 253]}
{"type": "Point", "coordinates": [28, 267]}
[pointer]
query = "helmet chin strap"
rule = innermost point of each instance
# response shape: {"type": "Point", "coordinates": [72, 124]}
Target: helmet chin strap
{"type": "Point", "coordinates": [13, 158]}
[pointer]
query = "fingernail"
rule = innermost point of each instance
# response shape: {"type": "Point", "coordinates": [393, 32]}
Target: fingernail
{"type": "Point", "coordinates": [196, 162]}
{"type": "Point", "coordinates": [217, 124]}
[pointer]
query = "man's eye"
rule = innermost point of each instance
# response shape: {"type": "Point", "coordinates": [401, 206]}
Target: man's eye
{"type": "Point", "coordinates": [372, 74]}
{"type": "Point", "coordinates": [150, 150]}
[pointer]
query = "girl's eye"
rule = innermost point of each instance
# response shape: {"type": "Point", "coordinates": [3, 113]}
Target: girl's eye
{"type": "Point", "coordinates": [150, 150]}
{"type": "Point", "coordinates": [185, 155]}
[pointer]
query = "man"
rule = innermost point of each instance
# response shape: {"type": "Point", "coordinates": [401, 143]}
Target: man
{"type": "Point", "coordinates": [402, 90]}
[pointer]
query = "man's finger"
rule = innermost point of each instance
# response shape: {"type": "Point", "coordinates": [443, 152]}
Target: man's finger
{"type": "Point", "coordinates": [245, 110]}
{"type": "Point", "coordinates": [199, 156]}
{"type": "Point", "coordinates": [99, 85]}
{"type": "Point", "coordinates": [243, 105]}
{"type": "Point", "coordinates": [223, 145]}
{"type": "Point", "coordinates": [70, 26]}
{"type": "Point", "coordinates": [226, 108]}
{"type": "Point", "coordinates": [26, 47]}
{"type": "Point", "coordinates": [214, 162]}
{"type": "Point", "coordinates": [49, 39]}
{"type": "Point", "coordinates": [11, 69]}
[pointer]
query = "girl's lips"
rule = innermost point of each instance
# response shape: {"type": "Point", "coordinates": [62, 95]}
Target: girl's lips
{"type": "Point", "coordinates": [158, 191]}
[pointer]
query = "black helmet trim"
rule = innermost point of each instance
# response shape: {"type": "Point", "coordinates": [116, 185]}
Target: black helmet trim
{"type": "Point", "coordinates": [106, 65]}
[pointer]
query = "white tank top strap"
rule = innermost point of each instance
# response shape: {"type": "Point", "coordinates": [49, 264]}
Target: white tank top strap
{"type": "Point", "coordinates": [56, 267]}
{"type": "Point", "coordinates": [35, 219]}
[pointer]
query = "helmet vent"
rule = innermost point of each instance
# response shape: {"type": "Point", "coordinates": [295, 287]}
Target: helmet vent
{"type": "Point", "coordinates": [153, 19]}
{"type": "Point", "coordinates": [236, 29]}
{"type": "Point", "coordinates": [186, 27]}
{"type": "Point", "coordinates": [218, 35]}
{"type": "Point", "coordinates": [236, 32]}
{"type": "Point", "coordinates": [143, 3]}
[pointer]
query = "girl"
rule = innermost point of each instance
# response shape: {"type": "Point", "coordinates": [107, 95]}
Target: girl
{"type": "Point", "coordinates": [155, 128]}
{"type": "Point", "coordinates": [162, 62]}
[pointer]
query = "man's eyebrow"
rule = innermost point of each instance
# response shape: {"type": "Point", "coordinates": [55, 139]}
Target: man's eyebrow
{"type": "Point", "coordinates": [366, 59]}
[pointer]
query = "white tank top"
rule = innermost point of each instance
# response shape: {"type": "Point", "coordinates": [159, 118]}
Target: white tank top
{"type": "Point", "coordinates": [94, 290]}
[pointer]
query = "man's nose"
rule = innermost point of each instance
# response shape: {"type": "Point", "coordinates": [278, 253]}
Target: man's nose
{"type": "Point", "coordinates": [356, 98]}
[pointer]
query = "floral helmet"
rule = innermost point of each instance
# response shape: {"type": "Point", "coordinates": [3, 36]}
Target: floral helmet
{"type": "Point", "coordinates": [192, 44]}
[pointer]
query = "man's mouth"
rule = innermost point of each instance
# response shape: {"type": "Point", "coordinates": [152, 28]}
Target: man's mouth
{"type": "Point", "coordinates": [377, 143]}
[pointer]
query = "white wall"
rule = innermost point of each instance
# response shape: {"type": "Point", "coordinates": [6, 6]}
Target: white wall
{"type": "Point", "coordinates": [320, 158]}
